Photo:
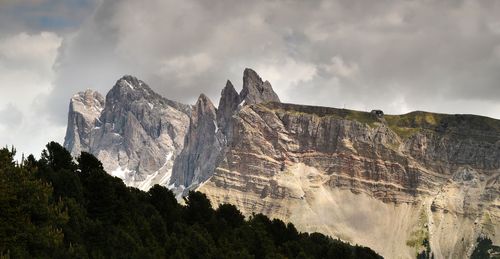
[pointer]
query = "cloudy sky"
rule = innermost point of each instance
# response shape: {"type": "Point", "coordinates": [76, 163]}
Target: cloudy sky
{"type": "Point", "coordinates": [398, 56]}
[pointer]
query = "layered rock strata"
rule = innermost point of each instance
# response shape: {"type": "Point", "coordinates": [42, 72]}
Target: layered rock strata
{"type": "Point", "coordinates": [398, 184]}
{"type": "Point", "coordinates": [401, 184]}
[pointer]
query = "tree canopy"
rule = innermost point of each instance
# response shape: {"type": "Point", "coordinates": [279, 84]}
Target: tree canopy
{"type": "Point", "coordinates": [54, 207]}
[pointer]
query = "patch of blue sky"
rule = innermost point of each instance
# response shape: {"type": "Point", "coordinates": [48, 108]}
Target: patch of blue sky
{"type": "Point", "coordinates": [48, 15]}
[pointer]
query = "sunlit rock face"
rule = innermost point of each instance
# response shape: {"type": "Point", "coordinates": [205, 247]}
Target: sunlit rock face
{"type": "Point", "coordinates": [400, 184]}
{"type": "Point", "coordinates": [210, 130]}
{"type": "Point", "coordinates": [84, 111]}
{"type": "Point", "coordinates": [146, 139]}
{"type": "Point", "coordinates": [392, 183]}
{"type": "Point", "coordinates": [136, 134]}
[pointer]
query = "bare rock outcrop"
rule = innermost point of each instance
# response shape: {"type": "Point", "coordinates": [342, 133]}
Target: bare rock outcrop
{"type": "Point", "coordinates": [136, 135]}
{"type": "Point", "coordinates": [84, 111]}
{"type": "Point", "coordinates": [255, 90]}
{"type": "Point", "coordinates": [210, 130]}
{"type": "Point", "coordinates": [228, 105]}
{"type": "Point", "coordinates": [201, 152]}
{"type": "Point", "coordinates": [144, 138]}
{"type": "Point", "coordinates": [400, 184]}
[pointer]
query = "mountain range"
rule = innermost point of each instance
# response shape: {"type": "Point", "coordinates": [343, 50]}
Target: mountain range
{"type": "Point", "coordinates": [421, 183]}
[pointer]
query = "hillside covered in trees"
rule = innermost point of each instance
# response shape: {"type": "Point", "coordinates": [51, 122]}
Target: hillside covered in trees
{"type": "Point", "coordinates": [56, 208]}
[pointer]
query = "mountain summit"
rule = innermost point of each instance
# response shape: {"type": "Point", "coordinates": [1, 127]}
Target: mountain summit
{"type": "Point", "coordinates": [84, 111]}
{"type": "Point", "coordinates": [136, 133]}
{"type": "Point", "coordinates": [418, 184]}
{"type": "Point", "coordinates": [140, 135]}
{"type": "Point", "coordinates": [255, 90]}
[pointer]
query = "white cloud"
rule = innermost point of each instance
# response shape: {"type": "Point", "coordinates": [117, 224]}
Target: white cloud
{"type": "Point", "coordinates": [26, 75]}
{"type": "Point", "coordinates": [38, 49]}
{"type": "Point", "coordinates": [186, 67]}
{"type": "Point", "coordinates": [26, 67]}
{"type": "Point", "coordinates": [338, 67]}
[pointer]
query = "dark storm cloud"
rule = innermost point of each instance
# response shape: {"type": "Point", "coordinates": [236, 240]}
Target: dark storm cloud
{"type": "Point", "coordinates": [399, 56]}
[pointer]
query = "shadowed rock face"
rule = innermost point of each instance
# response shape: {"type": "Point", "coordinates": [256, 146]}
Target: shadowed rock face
{"type": "Point", "coordinates": [400, 184]}
{"type": "Point", "coordinates": [255, 90]}
{"type": "Point", "coordinates": [211, 129]}
{"type": "Point", "coordinates": [201, 150]}
{"type": "Point", "coordinates": [228, 104]}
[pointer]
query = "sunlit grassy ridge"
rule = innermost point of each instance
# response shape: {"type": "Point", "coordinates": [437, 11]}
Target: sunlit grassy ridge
{"type": "Point", "coordinates": [406, 125]}
{"type": "Point", "coordinates": [360, 116]}
{"type": "Point", "coordinates": [409, 124]}
{"type": "Point", "coordinates": [457, 125]}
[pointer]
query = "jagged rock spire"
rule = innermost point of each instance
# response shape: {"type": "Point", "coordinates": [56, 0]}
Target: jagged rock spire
{"type": "Point", "coordinates": [204, 104]}
{"type": "Point", "coordinates": [138, 134]}
{"type": "Point", "coordinates": [255, 90]}
{"type": "Point", "coordinates": [84, 110]}
{"type": "Point", "coordinates": [128, 89]}
{"type": "Point", "coordinates": [201, 147]}
{"type": "Point", "coordinates": [228, 104]}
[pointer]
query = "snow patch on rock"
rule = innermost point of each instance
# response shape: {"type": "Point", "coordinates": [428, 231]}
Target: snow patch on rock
{"type": "Point", "coordinates": [121, 172]}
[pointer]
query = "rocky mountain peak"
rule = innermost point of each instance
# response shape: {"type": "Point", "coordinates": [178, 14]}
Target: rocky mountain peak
{"type": "Point", "coordinates": [229, 95]}
{"type": "Point", "coordinates": [255, 90]}
{"type": "Point", "coordinates": [135, 132]}
{"type": "Point", "coordinates": [128, 89]}
{"type": "Point", "coordinates": [204, 101]}
{"type": "Point", "coordinates": [87, 99]}
{"type": "Point", "coordinates": [131, 83]}
{"type": "Point", "coordinates": [228, 104]}
{"type": "Point", "coordinates": [84, 111]}
{"type": "Point", "coordinates": [417, 175]}
{"type": "Point", "coordinates": [197, 160]}
{"type": "Point", "coordinates": [204, 107]}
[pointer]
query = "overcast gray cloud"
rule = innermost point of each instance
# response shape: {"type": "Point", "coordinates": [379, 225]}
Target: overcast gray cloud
{"type": "Point", "coordinates": [26, 77]}
{"type": "Point", "coordinates": [31, 32]}
{"type": "Point", "coordinates": [441, 56]}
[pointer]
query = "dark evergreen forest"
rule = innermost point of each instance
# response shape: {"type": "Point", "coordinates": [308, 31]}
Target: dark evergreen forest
{"type": "Point", "coordinates": [57, 208]}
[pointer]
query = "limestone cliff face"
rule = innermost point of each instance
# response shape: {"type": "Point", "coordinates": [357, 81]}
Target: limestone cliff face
{"type": "Point", "coordinates": [228, 105]}
{"type": "Point", "coordinates": [388, 182]}
{"type": "Point", "coordinates": [201, 148]}
{"type": "Point", "coordinates": [400, 184]}
{"type": "Point", "coordinates": [210, 129]}
{"type": "Point", "coordinates": [146, 139]}
{"type": "Point", "coordinates": [136, 134]}
{"type": "Point", "coordinates": [255, 90]}
{"type": "Point", "coordinates": [84, 111]}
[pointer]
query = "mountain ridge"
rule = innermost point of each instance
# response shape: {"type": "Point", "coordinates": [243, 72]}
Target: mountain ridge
{"type": "Point", "coordinates": [416, 174]}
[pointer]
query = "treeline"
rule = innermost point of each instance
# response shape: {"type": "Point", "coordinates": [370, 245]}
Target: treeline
{"type": "Point", "coordinates": [56, 208]}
